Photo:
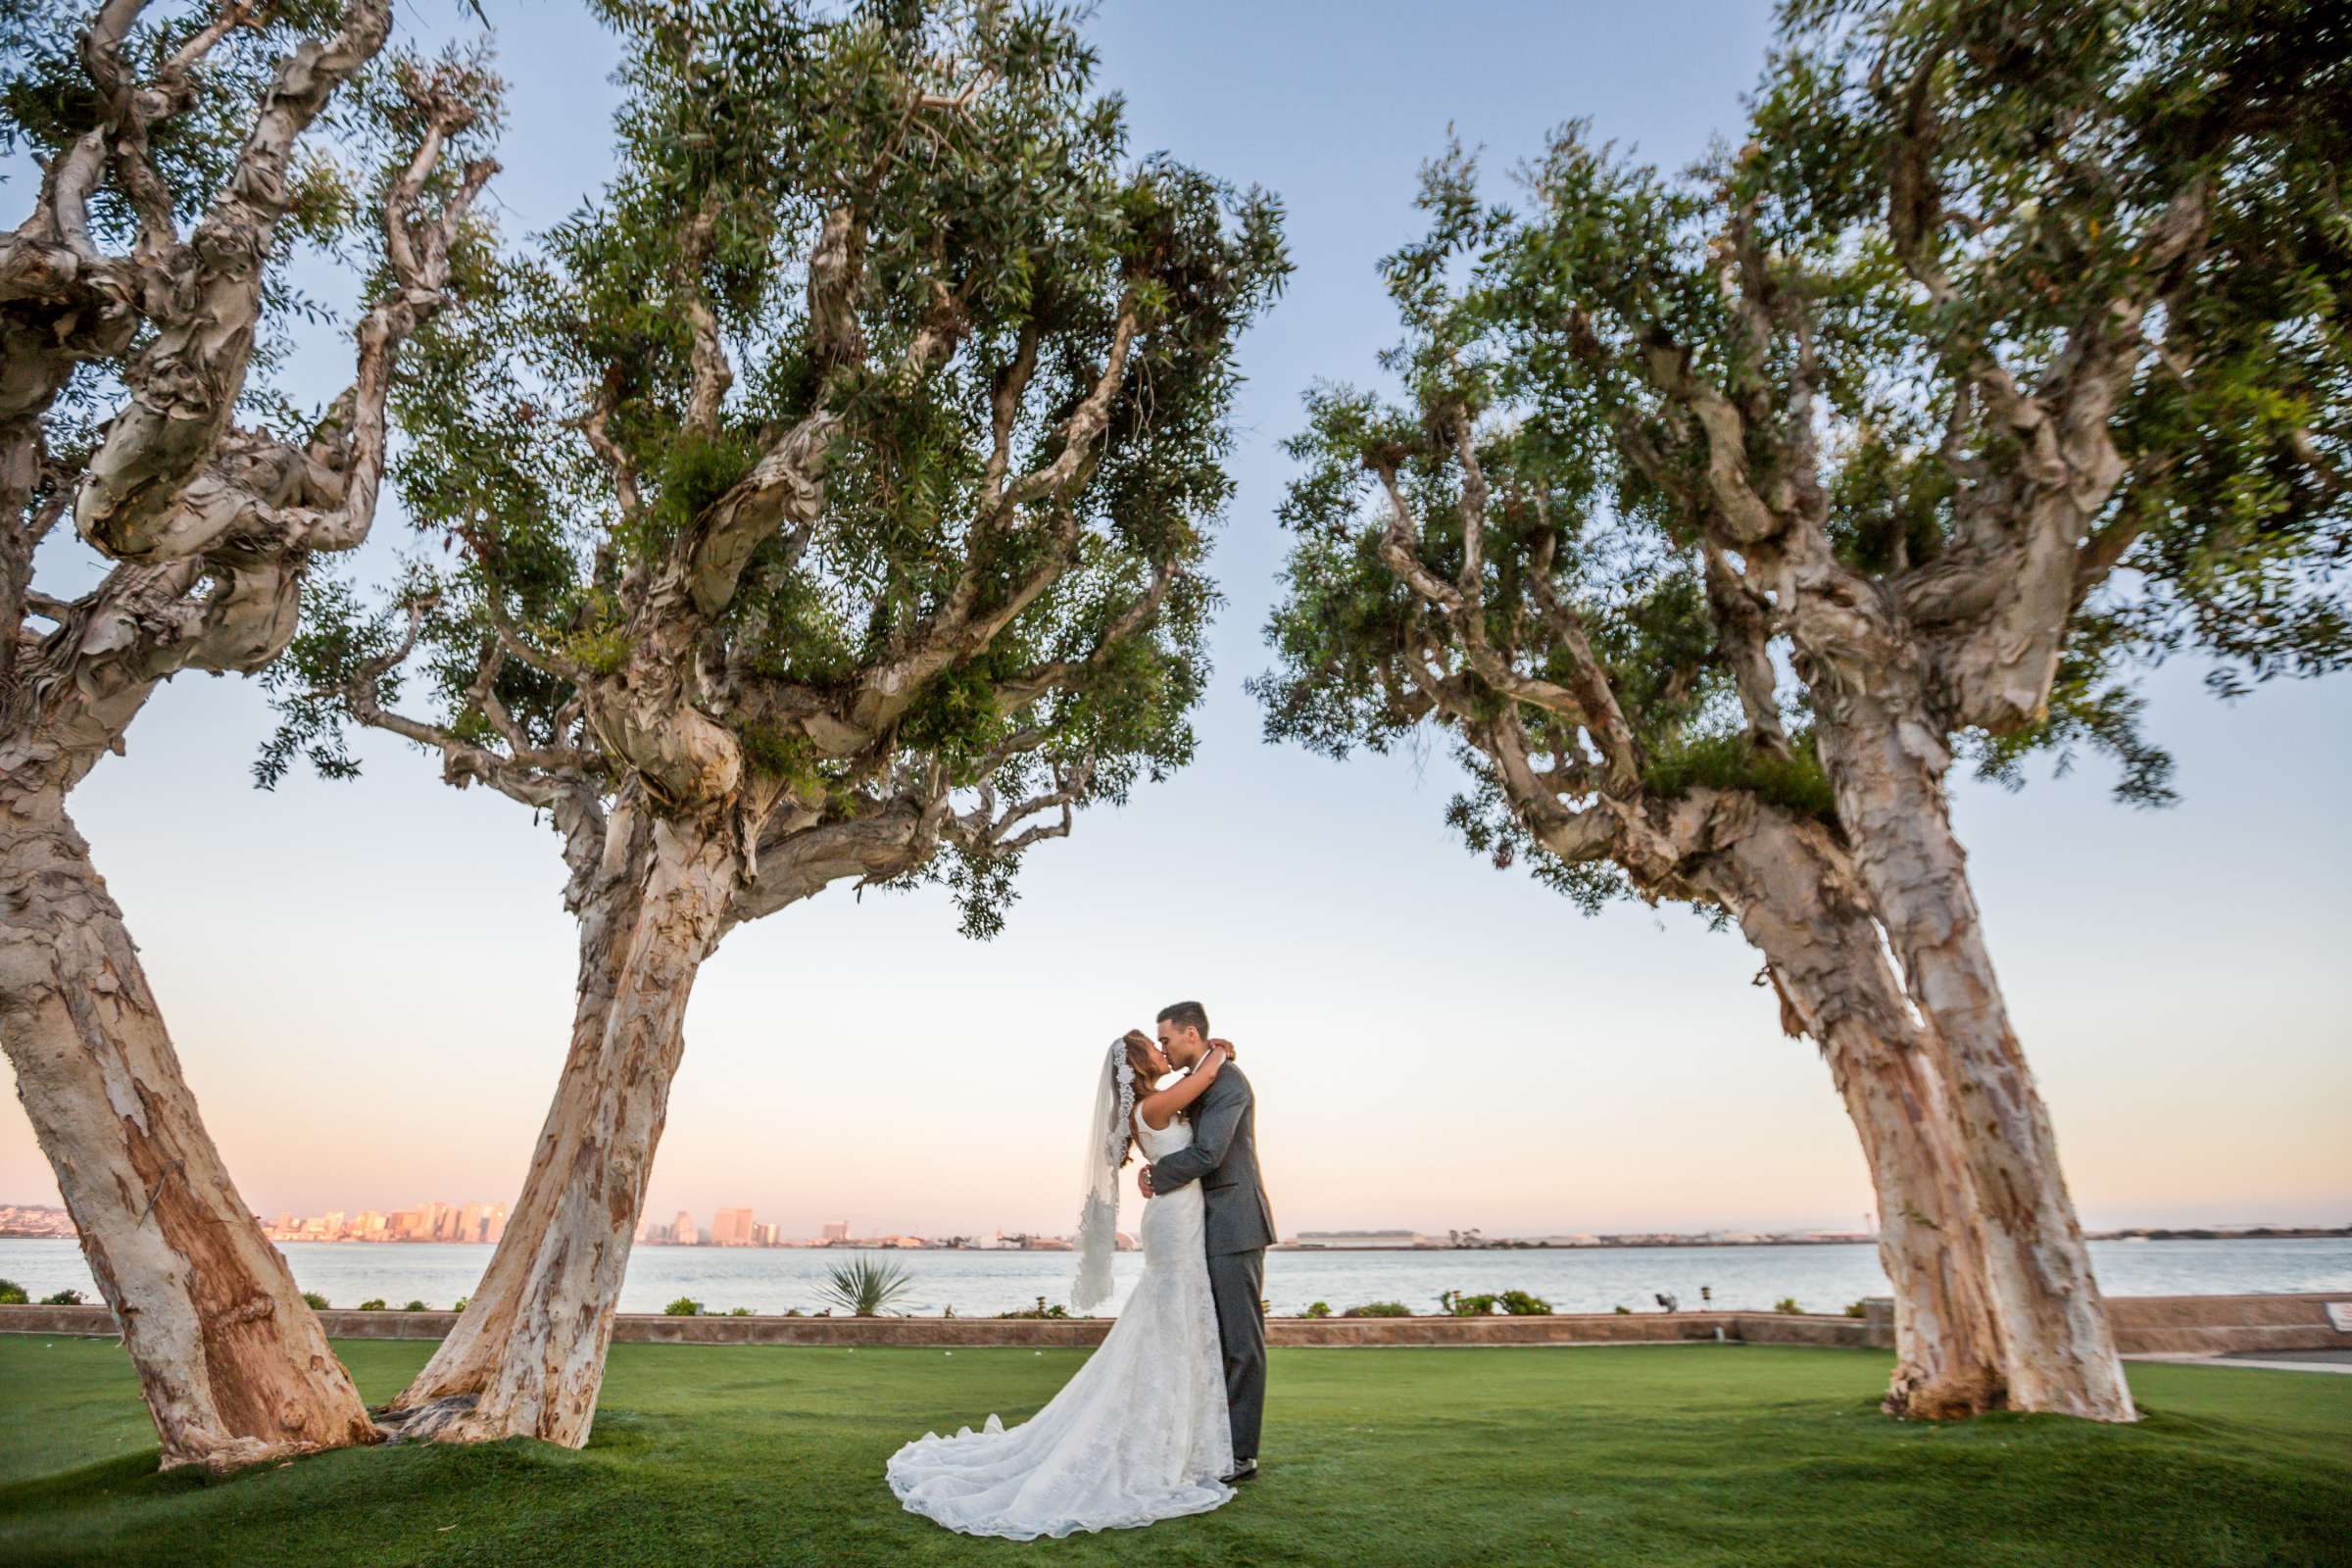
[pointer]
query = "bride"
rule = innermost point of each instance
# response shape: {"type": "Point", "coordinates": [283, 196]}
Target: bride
{"type": "Point", "coordinates": [1140, 1433]}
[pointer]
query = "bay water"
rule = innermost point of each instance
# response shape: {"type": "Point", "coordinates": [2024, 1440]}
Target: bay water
{"type": "Point", "coordinates": [977, 1283]}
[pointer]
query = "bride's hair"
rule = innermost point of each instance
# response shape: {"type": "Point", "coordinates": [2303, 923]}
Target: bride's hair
{"type": "Point", "coordinates": [1140, 1046]}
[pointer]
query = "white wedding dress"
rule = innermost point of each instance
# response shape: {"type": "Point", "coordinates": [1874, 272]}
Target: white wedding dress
{"type": "Point", "coordinates": [1139, 1434]}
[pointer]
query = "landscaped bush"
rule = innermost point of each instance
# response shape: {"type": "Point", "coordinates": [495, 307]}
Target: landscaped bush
{"type": "Point", "coordinates": [1624, 1310]}
{"type": "Point", "coordinates": [794, 1311]}
{"type": "Point", "coordinates": [316, 1302]}
{"type": "Point", "coordinates": [683, 1307]}
{"type": "Point", "coordinates": [1378, 1309]}
{"type": "Point", "coordinates": [1461, 1305]}
{"type": "Point", "coordinates": [1787, 1304]}
{"type": "Point", "coordinates": [1040, 1310]}
{"type": "Point", "coordinates": [416, 1306]}
{"type": "Point", "coordinates": [12, 1294]}
{"type": "Point", "coordinates": [1319, 1309]}
{"type": "Point", "coordinates": [65, 1298]}
{"type": "Point", "coordinates": [374, 1304]}
{"type": "Point", "coordinates": [738, 1311]}
{"type": "Point", "coordinates": [865, 1286]}
{"type": "Point", "coordinates": [1523, 1303]}
{"type": "Point", "coordinates": [459, 1305]}
{"type": "Point", "coordinates": [1856, 1310]}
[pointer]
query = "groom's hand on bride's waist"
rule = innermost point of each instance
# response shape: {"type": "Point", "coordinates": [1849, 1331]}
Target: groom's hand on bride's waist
{"type": "Point", "coordinates": [1142, 1181]}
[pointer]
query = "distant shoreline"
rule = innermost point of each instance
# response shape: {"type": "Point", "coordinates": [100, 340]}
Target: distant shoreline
{"type": "Point", "coordinates": [2184, 1235]}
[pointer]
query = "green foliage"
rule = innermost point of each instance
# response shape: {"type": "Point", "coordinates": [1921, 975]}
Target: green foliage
{"type": "Point", "coordinates": [1041, 1310]}
{"type": "Point", "coordinates": [1788, 1304]}
{"type": "Point", "coordinates": [1378, 1309]}
{"type": "Point", "coordinates": [1937, 189]}
{"type": "Point", "coordinates": [738, 1311]}
{"type": "Point", "coordinates": [1318, 1309]}
{"type": "Point", "coordinates": [414, 1305]}
{"type": "Point", "coordinates": [12, 1294]}
{"type": "Point", "coordinates": [1458, 1305]}
{"type": "Point", "coordinates": [1856, 1310]}
{"type": "Point", "coordinates": [865, 1286]}
{"type": "Point", "coordinates": [1622, 1311]}
{"type": "Point", "coordinates": [558, 456]}
{"type": "Point", "coordinates": [374, 1304]}
{"type": "Point", "coordinates": [316, 1302]}
{"type": "Point", "coordinates": [683, 1307]}
{"type": "Point", "coordinates": [1522, 1303]}
{"type": "Point", "coordinates": [64, 1298]}
{"type": "Point", "coordinates": [1731, 761]}
{"type": "Point", "coordinates": [459, 1305]}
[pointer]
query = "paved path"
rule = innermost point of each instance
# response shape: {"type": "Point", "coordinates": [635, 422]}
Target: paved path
{"type": "Point", "coordinates": [2339, 1361]}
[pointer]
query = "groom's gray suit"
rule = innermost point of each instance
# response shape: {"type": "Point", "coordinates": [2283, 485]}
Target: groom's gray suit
{"type": "Point", "coordinates": [1240, 1225]}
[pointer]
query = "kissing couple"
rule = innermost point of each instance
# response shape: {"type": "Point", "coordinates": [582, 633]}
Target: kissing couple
{"type": "Point", "coordinates": [1162, 1419]}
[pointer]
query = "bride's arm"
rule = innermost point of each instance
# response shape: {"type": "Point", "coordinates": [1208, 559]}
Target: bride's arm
{"type": "Point", "coordinates": [1159, 1108]}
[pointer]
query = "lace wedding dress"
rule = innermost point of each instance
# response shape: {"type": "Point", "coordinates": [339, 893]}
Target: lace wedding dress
{"type": "Point", "coordinates": [1139, 1434]}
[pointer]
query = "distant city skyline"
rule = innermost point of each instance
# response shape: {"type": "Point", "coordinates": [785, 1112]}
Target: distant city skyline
{"type": "Point", "coordinates": [1433, 1044]}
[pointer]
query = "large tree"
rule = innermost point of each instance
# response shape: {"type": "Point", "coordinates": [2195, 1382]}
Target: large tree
{"type": "Point", "coordinates": [821, 503]}
{"type": "Point", "coordinates": [135, 299]}
{"type": "Point", "coordinates": [2008, 354]}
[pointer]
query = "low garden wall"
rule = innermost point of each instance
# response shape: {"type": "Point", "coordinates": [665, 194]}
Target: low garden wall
{"type": "Point", "coordinates": [2144, 1325]}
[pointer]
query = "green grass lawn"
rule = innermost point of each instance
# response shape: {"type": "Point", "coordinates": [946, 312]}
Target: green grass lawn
{"type": "Point", "coordinates": [1745, 1455]}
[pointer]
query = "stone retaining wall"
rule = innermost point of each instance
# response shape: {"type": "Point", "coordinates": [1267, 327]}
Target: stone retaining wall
{"type": "Point", "coordinates": [2143, 1324]}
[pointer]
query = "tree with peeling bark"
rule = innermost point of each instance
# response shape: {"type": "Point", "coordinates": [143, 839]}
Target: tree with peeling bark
{"type": "Point", "coordinates": [2008, 356]}
{"type": "Point", "coordinates": [1453, 566]}
{"type": "Point", "coordinates": [126, 352]}
{"type": "Point", "coordinates": [821, 504]}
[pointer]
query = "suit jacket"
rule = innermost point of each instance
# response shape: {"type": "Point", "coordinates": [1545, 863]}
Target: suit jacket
{"type": "Point", "coordinates": [1223, 1159]}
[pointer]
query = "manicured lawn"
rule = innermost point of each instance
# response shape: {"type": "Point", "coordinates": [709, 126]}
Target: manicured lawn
{"type": "Point", "coordinates": [1738, 1455]}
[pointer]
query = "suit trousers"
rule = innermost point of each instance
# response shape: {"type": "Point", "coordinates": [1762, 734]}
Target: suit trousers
{"type": "Point", "coordinates": [1237, 1281]}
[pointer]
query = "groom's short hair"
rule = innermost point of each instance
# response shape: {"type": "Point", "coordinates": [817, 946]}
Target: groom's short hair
{"type": "Point", "coordinates": [1185, 1015]}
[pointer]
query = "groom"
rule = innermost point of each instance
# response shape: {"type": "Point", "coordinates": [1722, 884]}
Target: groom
{"type": "Point", "coordinates": [1239, 1226]}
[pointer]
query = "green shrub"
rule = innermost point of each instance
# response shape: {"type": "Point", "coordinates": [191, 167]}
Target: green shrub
{"type": "Point", "coordinates": [1856, 1310]}
{"type": "Point", "coordinates": [738, 1311]}
{"type": "Point", "coordinates": [459, 1305]}
{"type": "Point", "coordinates": [316, 1302]}
{"type": "Point", "coordinates": [683, 1307]}
{"type": "Point", "coordinates": [1461, 1305]}
{"type": "Point", "coordinates": [12, 1294]}
{"type": "Point", "coordinates": [64, 1298]}
{"type": "Point", "coordinates": [1040, 1310]}
{"type": "Point", "coordinates": [1319, 1309]}
{"type": "Point", "coordinates": [1378, 1309]}
{"type": "Point", "coordinates": [794, 1311]}
{"type": "Point", "coordinates": [865, 1286]}
{"type": "Point", "coordinates": [416, 1306]}
{"type": "Point", "coordinates": [1787, 1304]}
{"type": "Point", "coordinates": [1522, 1303]}
{"type": "Point", "coordinates": [374, 1304]}
{"type": "Point", "coordinates": [1623, 1310]}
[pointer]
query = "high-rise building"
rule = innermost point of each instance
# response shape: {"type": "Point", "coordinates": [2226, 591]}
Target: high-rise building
{"type": "Point", "coordinates": [763, 1234]}
{"type": "Point", "coordinates": [470, 1223]}
{"type": "Point", "coordinates": [494, 1223]}
{"type": "Point", "coordinates": [731, 1227]}
{"type": "Point", "coordinates": [837, 1230]}
{"type": "Point", "coordinates": [335, 1223]}
{"type": "Point", "coordinates": [681, 1230]}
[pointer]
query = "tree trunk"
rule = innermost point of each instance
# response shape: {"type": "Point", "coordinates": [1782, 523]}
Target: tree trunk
{"type": "Point", "coordinates": [1791, 888]}
{"type": "Point", "coordinates": [527, 1355]}
{"type": "Point", "coordinates": [233, 1364]}
{"type": "Point", "coordinates": [1887, 763]}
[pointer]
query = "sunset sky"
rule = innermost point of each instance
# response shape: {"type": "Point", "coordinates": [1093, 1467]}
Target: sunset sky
{"type": "Point", "coordinates": [370, 983]}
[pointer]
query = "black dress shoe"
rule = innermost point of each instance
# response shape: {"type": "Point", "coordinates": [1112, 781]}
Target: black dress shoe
{"type": "Point", "coordinates": [1245, 1470]}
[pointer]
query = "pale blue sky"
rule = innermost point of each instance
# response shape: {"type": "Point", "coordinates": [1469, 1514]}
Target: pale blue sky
{"type": "Point", "coordinates": [370, 983]}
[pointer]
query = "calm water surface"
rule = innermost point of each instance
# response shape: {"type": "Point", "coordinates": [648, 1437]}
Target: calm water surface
{"type": "Point", "coordinates": [1822, 1279]}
